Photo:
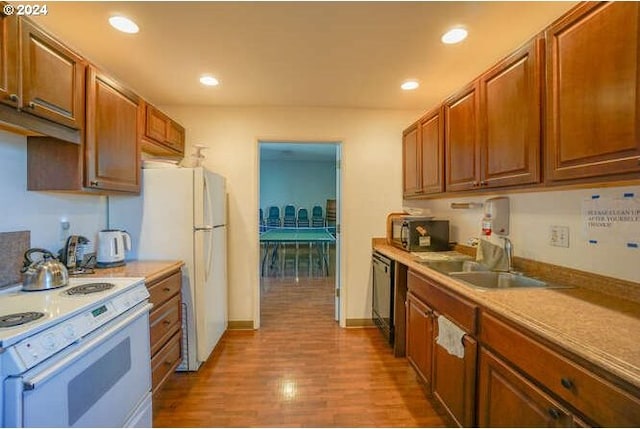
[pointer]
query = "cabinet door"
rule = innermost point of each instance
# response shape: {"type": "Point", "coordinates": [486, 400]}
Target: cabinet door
{"type": "Point", "coordinates": [410, 162]}
{"type": "Point", "coordinates": [462, 152]}
{"type": "Point", "coordinates": [9, 60]}
{"type": "Point", "coordinates": [112, 146]}
{"type": "Point", "coordinates": [419, 344]}
{"type": "Point", "coordinates": [593, 102]}
{"type": "Point", "coordinates": [506, 399]}
{"type": "Point", "coordinates": [156, 124]}
{"type": "Point", "coordinates": [52, 78]}
{"type": "Point", "coordinates": [175, 136]}
{"type": "Point", "coordinates": [432, 152]}
{"type": "Point", "coordinates": [510, 95]}
{"type": "Point", "coordinates": [454, 379]}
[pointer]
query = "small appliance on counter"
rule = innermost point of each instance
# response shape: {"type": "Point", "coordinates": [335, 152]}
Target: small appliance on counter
{"type": "Point", "coordinates": [112, 244]}
{"type": "Point", "coordinates": [418, 233]}
{"type": "Point", "coordinates": [78, 255]}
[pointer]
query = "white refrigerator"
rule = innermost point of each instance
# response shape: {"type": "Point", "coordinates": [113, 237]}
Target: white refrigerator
{"type": "Point", "coordinates": [181, 214]}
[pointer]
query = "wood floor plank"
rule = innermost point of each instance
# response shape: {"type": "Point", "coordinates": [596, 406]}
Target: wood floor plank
{"type": "Point", "coordinates": [299, 370]}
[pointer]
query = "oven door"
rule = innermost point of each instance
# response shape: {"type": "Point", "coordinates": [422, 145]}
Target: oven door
{"type": "Point", "coordinates": [104, 380]}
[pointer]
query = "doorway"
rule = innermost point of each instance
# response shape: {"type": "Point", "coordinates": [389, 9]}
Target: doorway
{"type": "Point", "coordinates": [299, 211]}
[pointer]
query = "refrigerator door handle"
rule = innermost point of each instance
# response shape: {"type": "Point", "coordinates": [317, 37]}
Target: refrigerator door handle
{"type": "Point", "coordinates": [203, 228]}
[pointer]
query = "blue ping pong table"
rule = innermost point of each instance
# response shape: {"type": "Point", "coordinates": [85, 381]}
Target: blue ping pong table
{"type": "Point", "coordinates": [277, 236]}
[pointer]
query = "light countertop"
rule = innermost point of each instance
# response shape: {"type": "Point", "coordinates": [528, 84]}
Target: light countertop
{"type": "Point", "coordinates": [150, 270]}
{"type": "Point", "coordinates": [602, 329]}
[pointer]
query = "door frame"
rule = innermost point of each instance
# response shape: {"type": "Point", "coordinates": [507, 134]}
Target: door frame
{"type": "Point", "coordinates": [340, 306]}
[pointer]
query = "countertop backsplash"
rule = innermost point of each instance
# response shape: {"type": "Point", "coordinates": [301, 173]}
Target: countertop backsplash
{"type": "Point", "coordinates": [12, 248]}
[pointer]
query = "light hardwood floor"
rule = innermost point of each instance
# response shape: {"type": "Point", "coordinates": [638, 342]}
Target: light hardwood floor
{"type": "Point", "coordinates": [299, 370]}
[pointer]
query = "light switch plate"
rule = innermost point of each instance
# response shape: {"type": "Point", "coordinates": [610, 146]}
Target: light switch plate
{"type": "Point", "coordinates": [559, 236]}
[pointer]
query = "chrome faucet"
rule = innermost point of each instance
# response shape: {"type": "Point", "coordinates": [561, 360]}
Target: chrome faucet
{"type": "Point", "coordinates": [508, 249]}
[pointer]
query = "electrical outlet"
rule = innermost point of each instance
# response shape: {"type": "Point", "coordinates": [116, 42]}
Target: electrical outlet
{"type": "Point", "coordinates": [65, 226]}
{"type": "Point", "coordinates": [559, 236]}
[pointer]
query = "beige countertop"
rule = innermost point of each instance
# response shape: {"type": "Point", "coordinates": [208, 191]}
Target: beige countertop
{"type": "Point", "coordinates": [150, 270]}
{"type": "Point", "coordinates": [602, 329]}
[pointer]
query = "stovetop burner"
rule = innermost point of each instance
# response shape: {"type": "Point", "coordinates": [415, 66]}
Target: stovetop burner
{"type": "Point", "coordinates": [86, 289]}
{"type": "Point", "coordinates": [11, 320]}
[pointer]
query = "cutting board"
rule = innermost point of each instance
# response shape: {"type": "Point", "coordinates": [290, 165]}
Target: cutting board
{"type": "Point", "coordinates": [12, 248]}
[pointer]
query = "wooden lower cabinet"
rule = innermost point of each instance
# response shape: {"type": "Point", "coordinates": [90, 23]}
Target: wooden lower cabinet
{"type": "Point", "coordinates": [419, 344]}
{"type": "Point", "coordinates": [166, 327]}
{"type": "Point", "coordinates": [595, 397]}
{"type": "Point", "coordinates": [451, 379]}
{"type": "Point", "coordinates": [454, 380]}
{"type": "Point", "coordinates": [506, 399]}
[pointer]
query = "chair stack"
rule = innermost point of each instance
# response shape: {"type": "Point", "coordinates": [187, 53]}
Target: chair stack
{"type": "Point", "coordinates": [273, 218]}
{"type": "Point", "coordinates": [289, 219]}
{"type": "Point", "coordinates": [317, 219]}
{"type": "Point", "coordinates": [303, 218]}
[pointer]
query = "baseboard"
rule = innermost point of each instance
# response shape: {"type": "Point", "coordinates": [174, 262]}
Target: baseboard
{"type": "Point", "coordinates": [240, 324]}
{"type": "Point", "coordinates": [359, 323]}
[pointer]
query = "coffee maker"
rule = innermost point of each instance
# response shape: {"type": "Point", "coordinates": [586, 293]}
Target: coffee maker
{"type": "Point", "coordinates": [78, 255]}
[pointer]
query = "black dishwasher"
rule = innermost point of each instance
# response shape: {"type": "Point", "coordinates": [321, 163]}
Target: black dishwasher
{"type": "Point", "coordinates": [383, 291]}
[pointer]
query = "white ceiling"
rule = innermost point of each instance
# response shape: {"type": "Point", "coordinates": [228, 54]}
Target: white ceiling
{"type": "Point", "coordinates": [334, 54]}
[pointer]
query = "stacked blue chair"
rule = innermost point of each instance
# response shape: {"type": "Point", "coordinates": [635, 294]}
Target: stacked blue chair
{"type": "Point", "coordinates": [273, 218]}
{"type": "Point", "coordinates": [289, 219]}
{"type": "Point", "coordinates": [303, 218]}
{"type": "Point", "coordinates": [317, 220]}
{"type": "Point", "coordinates": [261, 222]}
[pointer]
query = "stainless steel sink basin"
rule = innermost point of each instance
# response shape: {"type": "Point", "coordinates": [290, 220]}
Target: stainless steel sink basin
{"type": "Point", "coordinates": [498, 280]}
{"type": "Point", "coordinates": [447, 267]}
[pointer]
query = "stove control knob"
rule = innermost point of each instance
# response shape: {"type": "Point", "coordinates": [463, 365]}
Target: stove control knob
{"type": "Point", "coordinates": [69, 332]}
{"type": "Point", "coordinates": [49, 341]}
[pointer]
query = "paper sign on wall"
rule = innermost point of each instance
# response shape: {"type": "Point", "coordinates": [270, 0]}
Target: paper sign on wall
{"type": "Point", "coordinates": [613, 220]}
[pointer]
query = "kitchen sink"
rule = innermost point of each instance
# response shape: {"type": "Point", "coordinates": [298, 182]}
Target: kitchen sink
{"type": "Point", "coordinates": [452, 266]}
{"type": "Point", "coordinates": [498, 280]}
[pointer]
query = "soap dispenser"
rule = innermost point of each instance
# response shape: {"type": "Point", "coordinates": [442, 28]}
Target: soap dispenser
{"type": "Point", "coordinates": [496, 216]}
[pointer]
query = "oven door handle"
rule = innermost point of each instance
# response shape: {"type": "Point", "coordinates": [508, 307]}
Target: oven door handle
{"type": "Point", "coordinates": [32, 383]}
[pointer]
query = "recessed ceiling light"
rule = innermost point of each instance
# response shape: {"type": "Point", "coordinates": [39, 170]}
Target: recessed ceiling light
{"type": "Point", "coordinates": [123, 24]}
{"type": "Point", "coordinates": [455, 35]}
{"type": "Point", "coordinates": [410, 85]}
{"type": "Point", "coordinates": [208, 80]}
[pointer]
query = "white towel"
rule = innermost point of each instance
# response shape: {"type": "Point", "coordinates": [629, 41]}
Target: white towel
{"type": "Point", "coordinates": [450, 337]}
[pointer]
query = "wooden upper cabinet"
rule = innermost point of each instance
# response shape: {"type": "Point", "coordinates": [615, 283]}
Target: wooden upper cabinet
{"type": "Point", "coordinates": [510, 106]}
{"type": "Point", "coordinates": [410, 161]}
{"type": "Point", "coordinates": [432, 152]}
{"type": "Point", "coordinates": [9, 60]}
{"type": "Point", "coordinates": [112, 144]}
{"type": "Point", "coordinates": [52, 78]}
{"type": "Point", "coordinates": [162, 135]}
{"type": "Point", "coordinates": [593, 99]}
{"type": "Point", "coordinates": [462, 151]}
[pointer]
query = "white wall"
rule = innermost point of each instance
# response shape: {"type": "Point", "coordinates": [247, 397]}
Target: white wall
{"type": "Point", "coordinates": [41, 212]}
{"type": "Point", "coordinates": [532, 214]}
{"type": "Point", "coordinates": [371, 183]}
{"type": "Point", "coordinates": [301, 183]}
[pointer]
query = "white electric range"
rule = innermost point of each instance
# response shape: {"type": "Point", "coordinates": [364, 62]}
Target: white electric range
{"type": "Point", "coordinates": [77, 355]}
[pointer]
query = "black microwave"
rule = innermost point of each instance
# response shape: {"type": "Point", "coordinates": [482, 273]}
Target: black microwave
{"type": "Point", "coordinates": [419, 234]}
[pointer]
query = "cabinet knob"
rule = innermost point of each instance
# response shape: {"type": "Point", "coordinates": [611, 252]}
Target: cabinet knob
{"type": "Point", "coordinates": [31, 105]}
{"type": "Point", "coordinates": [484, 183]}
{"type": "Point", "coordinates": [94, 183]}
{"type": "Point", "coordinates": [167, 289]}
{"type": "Point", "coordinates": [566, 383]}
{"type": "Point", "coordinates": [167, 322]}
{"type": "Point", "coordinates": [555, 414]}
{"type": "Point", "coordinates": [14, 98]}
{"type": "Point", "coordinates": [474, 184]}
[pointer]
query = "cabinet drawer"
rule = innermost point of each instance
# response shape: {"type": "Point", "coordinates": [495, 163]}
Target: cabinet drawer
{"type": "Point", "coordinates": [165, 361]}
{"type": "Point", "coordinates": [599, 400]}
{"type": "Point", "coordinates": [164, 322]}
{"type": "Point", "coordinates": [463, 312]}
{"type": "Point", "coordinates": [164, 289]}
